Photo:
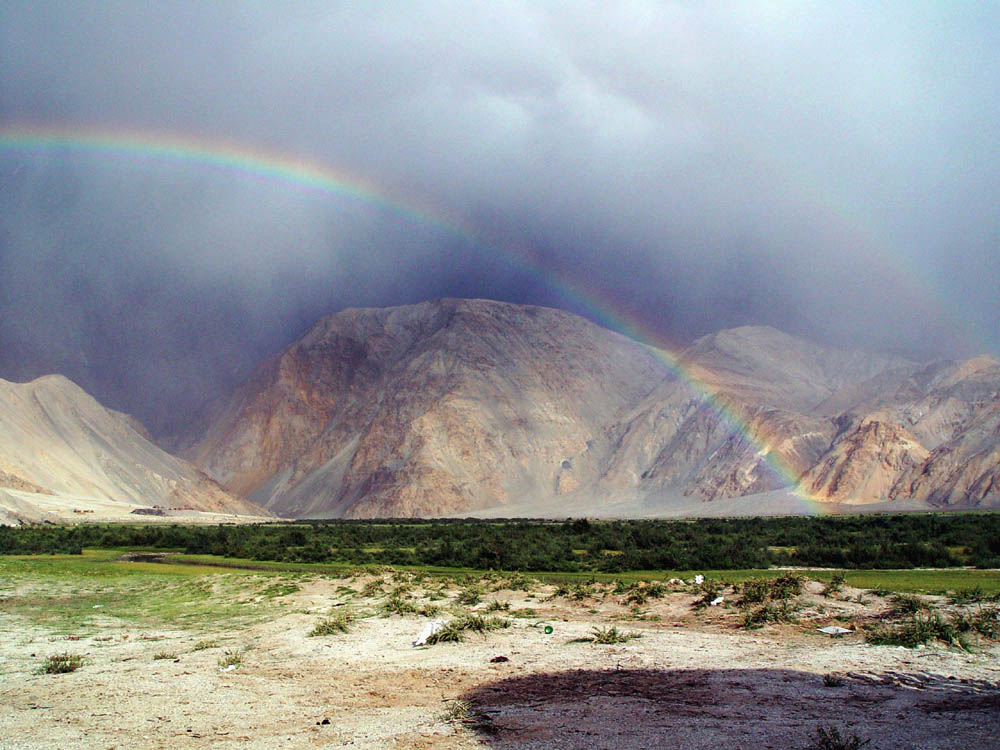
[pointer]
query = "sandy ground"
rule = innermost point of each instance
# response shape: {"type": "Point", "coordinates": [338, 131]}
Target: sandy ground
{"type": "Point", "coordinates": [19, 506]}
{"type": "Point", "coordinates": [693, 680]}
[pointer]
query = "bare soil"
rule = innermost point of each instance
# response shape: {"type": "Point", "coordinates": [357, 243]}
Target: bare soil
{"type": "Point", "coordinates": [694, 679]}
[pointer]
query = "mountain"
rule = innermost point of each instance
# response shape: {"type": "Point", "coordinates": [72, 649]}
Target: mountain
{"type": "Point", "coordinates": [425, 409]}
{"type": "Point", "coordinates": [457, 406]}
{"type": "Point", "coordinates": [61, 450]}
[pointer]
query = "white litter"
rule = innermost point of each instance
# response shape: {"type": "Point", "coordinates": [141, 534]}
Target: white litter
{"type": "Point", "coordinates": [429, 629]}
{"type": "Point", "coordinates": [230, 668]}
{"type": "Point", "coordinates": [834, 630]}
{"type": "Point", "coordinates": [715, 601]}
{"type": "Point", "coordinates": [699, 579]}
{"type": "Point", "coordinates": [97, 606]}
{"type": "Point", "coordinates": [674, 581]}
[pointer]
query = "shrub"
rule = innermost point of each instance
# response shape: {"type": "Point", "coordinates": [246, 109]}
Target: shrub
{"type": "Point", "coordinates": [480, 624]}
{"type": "Point", "coordinates": [835, 585]}
{"type": "Point", "coordinates": [159, 655]}
{"type": "Point", "coordinates": [786, 586]}
{"type": "Point", "coordinates": [339, 623]}
{"type": "Point", "coordinates": [916, 632]}
{"type": "Point", "coordinates": [202, 645]}
{"type": "Point", "coordinates": [770, 612]}
{"type": "Point", "coordinates": [907, 604]}
{"type": "Point", "coordinates": [470, 595]}
{"type": "Point", "coordinates": [396, 605]}
{"type": "Point", "coordinates": [833, 679]}
{"type": "Point", "coordinates": [829, 738]}
{"type": "Point", "coordinates": [449, 633]}
{"type": "Point", "coordinates": [455, 630]}
{"type": "Point", "coordinates": [497, 606]}
{"type": "Point", "coordinates": [969, 596]}
{"type": "Point", "coordinates": [612, 635]}
{"type": "Point", "coordinates": [62, 663]}
{"type": "Point", "coordinates": [372, 588]}
{"type": "Point", "coordinates": [230, 659]}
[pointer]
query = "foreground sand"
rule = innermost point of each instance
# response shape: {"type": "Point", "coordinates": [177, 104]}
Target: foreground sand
{"type": "Point", "coordinates": [693, 680]}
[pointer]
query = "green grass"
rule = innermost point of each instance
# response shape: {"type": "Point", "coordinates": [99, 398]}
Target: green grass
{"type": "Point", "coordinates": [103, 562]}
{"type": "Point", "coordinates": [62, 663]}
{"type": "Point", "coordinates": [94, 591]}
{"type": "Point", "coordinates": [338, 623]}
{"type": "Point", "coordinates": [611, 635]}
{"type": "Point", "coordinates": [79, 594]}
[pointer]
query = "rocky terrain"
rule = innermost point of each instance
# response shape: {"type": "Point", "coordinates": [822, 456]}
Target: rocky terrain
{"type": "Point", "coordinates": [458, 406]}
{"type": "Point", "coordinates": [64, 456]}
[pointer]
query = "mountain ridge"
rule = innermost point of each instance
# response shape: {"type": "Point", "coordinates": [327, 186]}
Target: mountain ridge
{"type": "Point", "coordinates": [458, 405]}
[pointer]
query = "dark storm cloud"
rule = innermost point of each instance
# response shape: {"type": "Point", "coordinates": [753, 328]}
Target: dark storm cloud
{"type": "Point", "coordinates": [830, 169]}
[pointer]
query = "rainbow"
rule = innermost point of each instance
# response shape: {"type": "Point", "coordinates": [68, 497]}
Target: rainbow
{"type": "Point", "coordinates": [302, 173]}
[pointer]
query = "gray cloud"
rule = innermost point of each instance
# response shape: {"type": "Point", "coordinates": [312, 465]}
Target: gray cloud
{"type": "Point", "coordinates": [830, 169]}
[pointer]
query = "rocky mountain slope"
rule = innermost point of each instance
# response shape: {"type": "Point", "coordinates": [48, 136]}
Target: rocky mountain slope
{"type": "Point", "coordinates": [61, 448]}
{"type": "Point", "coordinates": [423, 410]}
{"type": "Point", "coordinates": [459, 405]}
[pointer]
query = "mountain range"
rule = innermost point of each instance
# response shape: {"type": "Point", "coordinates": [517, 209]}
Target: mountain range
{"type": "Point", "coordinates": [475, 407]}
{"type": "Point", "coordinates": [457, 406]}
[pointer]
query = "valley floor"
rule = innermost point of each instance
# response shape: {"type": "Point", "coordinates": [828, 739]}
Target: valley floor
{"type": "Point", "coordinates": [153, 646]}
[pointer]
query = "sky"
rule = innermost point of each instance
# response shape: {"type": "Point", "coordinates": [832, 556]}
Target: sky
{"type": "Point", "coordinates": [830, 169]}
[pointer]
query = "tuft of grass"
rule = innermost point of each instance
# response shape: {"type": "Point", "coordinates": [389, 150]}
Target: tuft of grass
{"type": "Point", "coordinates": [523, 613]}
{"type": "Point", "coordinates": [918, 631]}
{"type": "Point", "coordinates": [455, 630]}
{"type": "Point", "coordinates": [972, 595]}
{"type": "Point", "coordinates": [612, 635]}
{"type": "Point", "coordinates": [642, 591]}
{"type": "Point", "coordinates": [397, 605]}
{"type": "Point", "coordinates": [497, 606]}
{"type": "Point", "coordinates": [833, 679]}
{"type": "Point", "coordinates": [472, 594]}
{"type": "Point", "coordinates": [450, 633]}
{"type": "Point", "coordinates": [230, 658]}
{"type": "Point", "coordinates": [373, 588]}
{"type": "Point", "coordinates": [62, 663]}
{"type": "Point", "coordinates": [429, 610]}
{"type": "Point", "coordinates": [338, 623]}
{"type": "Point", "coordinates": [458, 710]}
{"type": "Point", "coordinates": [836, 584]}
{"type": "Point", "coordinates": [164, 655]}
{"type": "Point", "coordinates": [907, 604]}
{"type": "Point", "coordinates": [829, 738]}
{"type": "Point", "coordinates": [463, 713]}
{"type": "Point", "coordinates": [279, 589]}
{"type": "Point", "coordinates": [775, 612]}
{"type": "Point", "coordinates": [202, 645]}
{"type": "Point", "coordinates": [481, 624]}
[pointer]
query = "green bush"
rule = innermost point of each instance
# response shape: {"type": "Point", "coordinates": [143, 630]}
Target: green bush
{"type": "Point", "coordinates": [612, 635]}
{"type": "Point", "coordinates": [62, 663]}
{"type": "Point", "coordinates": [338, 623]}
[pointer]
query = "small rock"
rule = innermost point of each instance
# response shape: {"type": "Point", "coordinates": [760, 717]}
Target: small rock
{"type": "Point", "coordinates": [498, 659]}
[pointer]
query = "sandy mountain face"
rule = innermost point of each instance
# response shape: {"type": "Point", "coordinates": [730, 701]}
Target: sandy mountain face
{"type": "Point", "coordinates": [459, 405]}
{"type": "Point", "coordinates": [424, 410]}
{"type": "Point", "coordinates": [60, 447]}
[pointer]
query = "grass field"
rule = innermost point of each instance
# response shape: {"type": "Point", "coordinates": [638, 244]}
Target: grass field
{"type": "Point", "coordinates": [172, 579]}
{"type": "Point", "coordinates": [81, 594]}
